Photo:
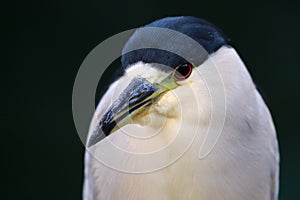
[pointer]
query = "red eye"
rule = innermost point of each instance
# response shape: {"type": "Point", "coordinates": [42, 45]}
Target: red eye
{"type": "Point", "coordinates": [183, 71]}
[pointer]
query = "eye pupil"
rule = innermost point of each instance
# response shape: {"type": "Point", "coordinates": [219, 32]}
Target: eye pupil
{"type": "Point", "coordinates": [183, 71]}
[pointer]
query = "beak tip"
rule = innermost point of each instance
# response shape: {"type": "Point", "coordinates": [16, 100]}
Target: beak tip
{"type": "Point", "coordinates": [95, 138]}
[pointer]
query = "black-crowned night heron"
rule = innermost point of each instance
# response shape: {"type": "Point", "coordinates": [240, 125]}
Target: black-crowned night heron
{"type": "Point", "coordinates": [163, 96]}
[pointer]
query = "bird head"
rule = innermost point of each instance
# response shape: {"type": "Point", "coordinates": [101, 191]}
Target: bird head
{"type": "Point", "coordinates": [161, 80]}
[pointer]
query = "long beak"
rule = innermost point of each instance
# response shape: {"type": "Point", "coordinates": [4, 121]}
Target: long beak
{"type": "Point", "coordinates": [133, 102]}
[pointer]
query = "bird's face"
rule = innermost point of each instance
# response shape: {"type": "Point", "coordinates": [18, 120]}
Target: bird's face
{"type": "Point", "coordinates": [150, 95]}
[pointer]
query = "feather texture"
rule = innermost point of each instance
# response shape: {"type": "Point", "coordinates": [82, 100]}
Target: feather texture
{"type": "Point", "coordinates": [244, 163]}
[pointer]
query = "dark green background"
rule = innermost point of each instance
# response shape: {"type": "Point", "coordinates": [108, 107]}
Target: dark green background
{"type": "Point", "coordinates": [45, 42]}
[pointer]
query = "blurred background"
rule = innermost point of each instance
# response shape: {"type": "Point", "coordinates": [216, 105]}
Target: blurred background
{"type": "Point", "coordinates": [45, 42]}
